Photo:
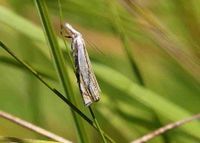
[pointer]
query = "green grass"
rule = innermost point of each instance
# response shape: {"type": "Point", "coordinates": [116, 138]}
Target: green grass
{"type": "Point", "coordinates": [155, 36]}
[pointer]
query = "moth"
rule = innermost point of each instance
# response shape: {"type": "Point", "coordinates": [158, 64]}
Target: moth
{"type": "Point", "coordinates": [86, 79]}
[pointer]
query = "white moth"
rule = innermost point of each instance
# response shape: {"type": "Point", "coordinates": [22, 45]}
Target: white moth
{"type": "Point", "coordinates": [88, 84]}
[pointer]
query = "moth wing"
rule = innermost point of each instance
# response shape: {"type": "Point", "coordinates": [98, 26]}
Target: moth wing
{"type": "Point", "coordinates": [86, 73]}
{"type": "Point", "coordinates": [86, 97]}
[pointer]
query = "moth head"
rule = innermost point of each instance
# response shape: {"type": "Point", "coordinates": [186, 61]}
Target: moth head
{"type": "Point", "coordinates": [71, 31]}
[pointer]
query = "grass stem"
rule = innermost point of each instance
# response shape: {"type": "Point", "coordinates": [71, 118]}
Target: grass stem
{"type": "Point", "coordinates": [97, 124]}
{"type": "Point", "coordinates": [60, 66]}
{"type": "Point", "coordinates": [55, 91]}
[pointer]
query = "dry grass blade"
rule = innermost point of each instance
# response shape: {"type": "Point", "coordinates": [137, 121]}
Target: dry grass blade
{"type": "Point", "coordinates": [32, 127]}
{"type": "Point", "coordinates": [165, 128]}
{"type": "Point", "coordinates": [166, 40]}
{"type": "Point", "coordinates": [186, 14]}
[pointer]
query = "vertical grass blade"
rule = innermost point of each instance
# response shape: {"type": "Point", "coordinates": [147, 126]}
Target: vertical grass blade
{"type": "Point", "coordinates": [60, 66]}
{"type": "Point", "coordinates": [90, 108]}
{"type": "Point", "coordinates": [118, 27]}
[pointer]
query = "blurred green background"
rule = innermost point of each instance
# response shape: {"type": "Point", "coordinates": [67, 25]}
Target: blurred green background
{"type": "Point", "coordinates": [145, 56]}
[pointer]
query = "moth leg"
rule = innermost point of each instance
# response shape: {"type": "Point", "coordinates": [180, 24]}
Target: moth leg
{"type": "Point", "coordinates": [67, 36]}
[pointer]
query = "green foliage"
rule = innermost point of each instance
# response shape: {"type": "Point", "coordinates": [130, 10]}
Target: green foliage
{"type": "Point", "coordinates": [127, 110]}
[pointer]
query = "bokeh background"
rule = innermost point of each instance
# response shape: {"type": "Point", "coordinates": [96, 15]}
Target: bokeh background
{"type": "Point", "coordinates": [145, 55]}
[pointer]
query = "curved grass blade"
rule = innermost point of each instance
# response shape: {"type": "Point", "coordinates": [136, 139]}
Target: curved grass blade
{"type": "Point", "coordinates": [170, 110]}
{"type": "Point", "coordinates": [55, 91]}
